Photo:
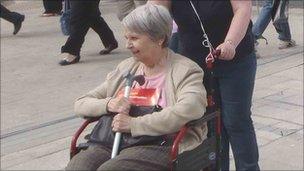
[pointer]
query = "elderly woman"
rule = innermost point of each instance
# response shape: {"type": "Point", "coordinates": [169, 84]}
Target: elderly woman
{"type": "Point", "coordinates": [182, 97]}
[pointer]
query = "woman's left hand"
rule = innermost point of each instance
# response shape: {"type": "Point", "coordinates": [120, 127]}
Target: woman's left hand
{"type": "Point", "coordinates": [227, 51]}
{"type": "Point", "coordinates": [121, 123]}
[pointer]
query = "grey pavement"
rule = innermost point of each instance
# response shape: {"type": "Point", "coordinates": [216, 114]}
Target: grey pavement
{"type": "Point", "coordinates": [37, 94]}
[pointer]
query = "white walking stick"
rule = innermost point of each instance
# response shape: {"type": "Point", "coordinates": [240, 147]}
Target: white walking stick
{"type": "Point", "coordinates": [129, 81]}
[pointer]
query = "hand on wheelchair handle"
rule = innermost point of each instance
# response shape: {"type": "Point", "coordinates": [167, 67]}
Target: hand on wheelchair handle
{"type": "Point", "coordinates": [226, 50]}
{"type": "Point", "coordinates": [119, 105]}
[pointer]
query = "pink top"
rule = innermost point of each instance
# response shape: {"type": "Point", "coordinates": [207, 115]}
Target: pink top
{"type": "Point", "coordinates": [157, 82]}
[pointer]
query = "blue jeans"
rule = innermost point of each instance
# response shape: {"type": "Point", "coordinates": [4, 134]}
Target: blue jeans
{"type": "Point", "coordinates": [235, 83]}
{"type": "Point", "coordinates": [280, 23]}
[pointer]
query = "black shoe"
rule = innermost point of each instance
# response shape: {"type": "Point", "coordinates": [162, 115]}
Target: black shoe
{"type": "Point", "coordinates": [65, 62]}
{"type": "Point", "coordinates": [109, 48]}
{"type": "Point", "coordinates": [18, 24]}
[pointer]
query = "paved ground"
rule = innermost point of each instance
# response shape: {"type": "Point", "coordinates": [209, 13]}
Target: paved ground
{"type": "Point", "coordinates": [37, 95]}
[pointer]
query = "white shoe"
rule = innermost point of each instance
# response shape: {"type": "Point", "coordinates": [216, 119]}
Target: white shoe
{"type": "Point", "coordinates": [286, 44]}
{"type": "Point", "coordinates": [68, 59]}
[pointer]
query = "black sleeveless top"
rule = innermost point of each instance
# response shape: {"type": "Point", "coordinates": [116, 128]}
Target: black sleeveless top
{"type": "Point", "coordinates": [216, 16]}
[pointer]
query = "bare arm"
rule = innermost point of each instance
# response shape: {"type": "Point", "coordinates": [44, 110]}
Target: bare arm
{"type": "Point", "coordinates": [238, 28]}
{"type": "Point", "coordinates": [240, 21]}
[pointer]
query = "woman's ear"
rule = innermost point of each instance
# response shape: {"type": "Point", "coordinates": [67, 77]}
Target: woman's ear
{"type": "Point", "coordinates": [161, 42]}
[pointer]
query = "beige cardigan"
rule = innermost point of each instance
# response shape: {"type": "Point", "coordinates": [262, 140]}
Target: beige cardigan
{"type": "Point", "coordinates": [185, 95]}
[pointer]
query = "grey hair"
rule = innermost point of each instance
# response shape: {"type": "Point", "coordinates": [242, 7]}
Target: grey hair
{"type": "Point", "coordinates": [152, 20]}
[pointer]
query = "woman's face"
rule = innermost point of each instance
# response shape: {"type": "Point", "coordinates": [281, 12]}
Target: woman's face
{"type": "Point", "coordinates": [142, 47]}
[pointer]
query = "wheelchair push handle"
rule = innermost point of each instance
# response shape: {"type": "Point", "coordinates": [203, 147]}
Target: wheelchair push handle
{"type": "Point", "coordinates": [211, 57]}
{"type": "Point", "coordinates": [140, 79]}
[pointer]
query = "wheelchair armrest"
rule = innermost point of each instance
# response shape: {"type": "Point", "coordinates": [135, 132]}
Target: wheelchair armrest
{"type": "Point", "coordinates": [93, 119]}
{"type": "Point", "coordinates": [207, 117]}
{"type": "Point", "coordinates": [73, 148]}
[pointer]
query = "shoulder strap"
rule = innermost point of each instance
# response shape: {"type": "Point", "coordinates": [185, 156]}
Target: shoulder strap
{"type": "Point", "coordinates": [206, 41]}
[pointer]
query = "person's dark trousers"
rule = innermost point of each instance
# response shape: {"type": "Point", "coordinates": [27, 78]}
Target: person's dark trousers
{"type": "Point", "coordinates": [84, 15]}
{"type": "Point", "coordinates": [52, 6]}
{"type": "Point", "coordinates": [12, 17]}
{"type": "Point", "coordinates": [235, 84]}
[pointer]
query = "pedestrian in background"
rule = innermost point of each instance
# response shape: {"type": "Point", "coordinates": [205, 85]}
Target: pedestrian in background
{"type": "Point", "coordinates": [12, 17]}
{"type": "Point", "coordinates": [84, 15]}
{"type": "Point", "coordinates": [52, 8]}
{"type": "Point", "coordinates": [126, 6]}
{"type": "Point", "coordinates": [278, 11]}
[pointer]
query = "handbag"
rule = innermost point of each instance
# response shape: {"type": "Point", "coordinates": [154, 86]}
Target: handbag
{"type": "Point", "coordinates": [102, 132]}
{"type": "Point", "coordinates": [65, 18]}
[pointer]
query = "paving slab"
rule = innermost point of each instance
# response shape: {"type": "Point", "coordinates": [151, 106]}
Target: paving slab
{"type": "Point", "coordinates": [283, 154]}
